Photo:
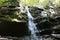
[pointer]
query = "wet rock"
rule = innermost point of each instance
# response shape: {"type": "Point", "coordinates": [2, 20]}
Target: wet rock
{"type": "Point", "coordinates": [35, 11]}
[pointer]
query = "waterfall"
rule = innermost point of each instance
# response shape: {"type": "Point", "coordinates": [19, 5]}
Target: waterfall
{"type": "Point", "coordinates": [31, 25]}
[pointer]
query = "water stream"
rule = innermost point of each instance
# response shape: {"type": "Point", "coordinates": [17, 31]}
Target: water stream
{"type": "Point", "coordinates": [31, 25]}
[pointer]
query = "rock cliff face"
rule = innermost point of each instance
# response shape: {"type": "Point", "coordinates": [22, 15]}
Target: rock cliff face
{"type": "Point", "coordinates": [13, 22]}
{"type": "Point", "coordinates": [15, 28]}
{"type": "Point", "coordinates": [48, 23]}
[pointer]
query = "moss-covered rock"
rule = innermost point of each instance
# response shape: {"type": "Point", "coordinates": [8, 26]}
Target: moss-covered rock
{"type": "Point", "coordinates": [11, 13]}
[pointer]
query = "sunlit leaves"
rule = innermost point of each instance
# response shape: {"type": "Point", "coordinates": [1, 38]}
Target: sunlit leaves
{"type": "Point", "coordinates": [44, 2]}
{"type": "Point", "coordinates": [56, 3]}
{"type": "Point", "coordinates": [35, 2]}
{"type": "Point", "coordinates": [40, 2]}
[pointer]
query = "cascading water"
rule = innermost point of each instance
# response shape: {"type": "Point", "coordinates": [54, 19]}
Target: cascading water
{"type": "Point", "coordinates": [31, 25]}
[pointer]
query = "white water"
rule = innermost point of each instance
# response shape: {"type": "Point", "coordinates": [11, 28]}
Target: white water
{"type": "Point", "coordinates": [31, 25]}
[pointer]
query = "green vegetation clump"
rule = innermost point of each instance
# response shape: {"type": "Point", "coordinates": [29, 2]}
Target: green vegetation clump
{"type": "Point", "coordinates": [3, 1]}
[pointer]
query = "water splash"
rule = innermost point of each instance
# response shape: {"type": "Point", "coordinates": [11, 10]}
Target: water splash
{"type": "Point", "coordinates": [31, 25]}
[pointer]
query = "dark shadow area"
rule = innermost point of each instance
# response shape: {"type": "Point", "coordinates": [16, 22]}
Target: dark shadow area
{"type": "Point", "coordinates": [13, 29]}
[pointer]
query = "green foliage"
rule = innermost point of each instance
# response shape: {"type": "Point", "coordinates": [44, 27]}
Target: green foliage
{"type": "Point", "coordinates": [35, 2]}
{"type": "Point", "coordinates": [43, 3]}
{"type": "Point", "coordinates": [2, 1]}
